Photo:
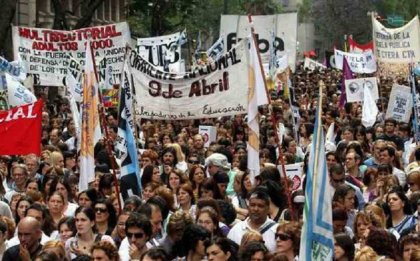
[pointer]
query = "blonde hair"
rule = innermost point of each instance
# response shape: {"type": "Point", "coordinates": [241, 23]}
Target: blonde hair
{"type": "Point", "coordinates": [249, 236]}
{"type": "Point", "coordinates": [179, 154]}
{"type": "Point", "coordinates": [366, 254]}
{"type": "Point", "coordinates": [55, 156]}
{"type": "Point", "coordinates": [57, 245]}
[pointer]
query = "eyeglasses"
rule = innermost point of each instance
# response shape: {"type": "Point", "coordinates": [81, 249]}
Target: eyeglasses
{"type": "Point", "coordinates": [101, 210]}
{"type": "Point", "coordinates": [282, 237]}
{"type": "Point", "coordinates": [136, 235]}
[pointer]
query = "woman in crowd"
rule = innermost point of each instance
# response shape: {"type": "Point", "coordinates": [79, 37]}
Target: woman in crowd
{"type": "Point", "coordinates": [240, 199]}
{"type": "Point", "coordinates": [87, 198]}
{"type": "Point", "coordinates": [21, 206]}
{"type": "Point", "coordinates": [66, 229]}
{"type": "Point", "coordinates": [197, 177]}
{"type": "Point", "coordinates": [55, 204]}
{"type": "Point", "coordinates": [105, 217]}
{"type": "Point", "coordinates": [408, 244]}
{"type": "Point", "coordinates": [193, 241]}
{"type": "Point", "coordinates": [344, 197]}
{"type": "Point", "coordinates": [118, 234]}
{"type": "Point", "coordinates": [221, 249]}
{"type": "Point", "coordinates": [56, 247]}
{"type": "Point", "coordinates": [149, 190]}
{"type": "Point", "coordinates": [86, 234]}
{"type": "Point", "coordinates": [64, 188]}
{"type": "Point", "coordinates": [400, 217]}
{"type": "Point", "coordinates": [149, 175]}
{"type": "Point", "coordinates": [413, 181]}
{"type": "Point", "coordinates": [288, 240]}
{"type": "Point", "coordinates": [104, 250]}
{"type": "Point", "coordinates": [186, 200]}
{"type": "Point", "coordinates": [343, 247]}
{"type": "Point", "coordinates": [208, 218]}
{"type": "Point", "coordinates": [175, 180]}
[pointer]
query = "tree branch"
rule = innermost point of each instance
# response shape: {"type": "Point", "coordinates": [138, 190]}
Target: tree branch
{"type": "Point", "coordinates": [88, 11]}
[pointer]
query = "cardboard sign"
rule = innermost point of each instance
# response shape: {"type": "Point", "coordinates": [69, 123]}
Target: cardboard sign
{"type": "Point", "coordinates": [355, 88]}
{"type": "Point", "coordinates": [400, 103]}
{"type": "Point", "coordinates": [209, 134]}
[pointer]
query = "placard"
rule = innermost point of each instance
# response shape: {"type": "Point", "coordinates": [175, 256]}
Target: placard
{"type": "Point", "coordinates": [400, 103]}
{"type": "Point", "coordinates": [355, 88]}
{"type": "Point", "coordinates": [209, 134]}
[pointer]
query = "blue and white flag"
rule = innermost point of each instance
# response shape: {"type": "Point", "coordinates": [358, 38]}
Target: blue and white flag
{"type": "Point", "coordinates": [317, 242]}
{"type": "Point", "coordinates": [217, 49]}
{"type": "Point", "coordinates": [416, 107]}
{"type": "Point", "coordinates": [125, 146]}
{"type": "Point", "coordinates": [182, 39]}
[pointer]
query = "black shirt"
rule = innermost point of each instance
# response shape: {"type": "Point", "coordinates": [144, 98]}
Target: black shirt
{"type": "Point", "coordinates": [13, 253]}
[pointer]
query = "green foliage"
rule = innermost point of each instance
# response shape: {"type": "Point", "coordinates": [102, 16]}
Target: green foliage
{"type": "Point", "coordinates": [405, 8]}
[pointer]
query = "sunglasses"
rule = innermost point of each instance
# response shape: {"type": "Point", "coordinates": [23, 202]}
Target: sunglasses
{"type": "Point", "coordinates": [101, 210]}
{"type": "Point", "coordinates": [194, 161]}
{"type": "Point", "coordinates": [136, 235]}
{"type": "Point", "coordinates": [282, 237]}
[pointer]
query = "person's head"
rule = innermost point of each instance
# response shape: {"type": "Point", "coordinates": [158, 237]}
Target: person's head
{"type": "Point", "coordinates": [370, 176]}
{"type": "Point", "coordinates": [193, 239]}
{"type": "Point", "coordinates": [19, 175]}
{"type": "Point", "coordinates": [132, 203]}
{"type": "Point", "coordinates": [138, 230]}
{"type": "Point", "coordinates": [413, 180]}
{"type": "Point", "coordinates": [254, 250]}
{"type": "Point", "coordinates": [345, 195]}
{"type": "Point", "coordinates": [47, 256]}
{"type": "Point", "coordinates": [57, 159]}
{"type": "Point", "coordinates": [331, 159]}
{"type": "Point", "coordinates": [32, 164]}
{"type": "Point", "coordinates": [87, 198]}
{"type": "Point", "coordinates": [352, 160]}
{"type": "Point", "coordinates": [337, 175]}
{"type": "Point", "coordinates": [219, 249]}
{"type": "Point", "coordinates": [185, 195]}
{"type": "Point", "coordinates": [29, 233]}
{"type": "Point", "coordinates": [120, 228]}
{"type": "Point", "coordinates": [155, 254]}
{"type": "Point", "coordinates": [198, 141]}
{"type": "Point", "coordinates": [251, 235]}
{"type": "Point", "coordinates": [222, 180]}
{"type": "Point", "coordinates": [148, 157]}
{"type": "Point", "coordinates": [32, 185]}
{"type": "Point", "coordinates": [216, 162]}
{"type": "Point", "coordinates": [3, 232]}
{"type": "Point", "coordinates": [258, 206]}
{"type": "Point", "coordinates": [270, 173]}
{"type": "Point", "coordinates": [382, 241]}
{"type": "Point", "coordinates": [85, 220]}
{"type": "Point", "coordinates": [208, 218]}
{"type": "Point", "coordinates": [343, 247]}
{"type": "Point", "coordinates": [366, 253]}
{"type": "Point", "coordinates": [21, 206]}
{"type": "Point", "coordinates": [169, 156]}
{"type": "Point", "coordinates": [378, 145]}
{"type": "Point", "coordinates": [387, 155]}
{"type": "Point", "coordinates": [66, 228]}
{"type": "Point", "coordinates": [105, 213]}
{"type": "Point", "coordinates": [178, 221]}
{"type": "Point", "coordinates": [408, 244]}
{"type": "Point", "coordinates": [149, 190]}
{"type": "Point", "coordinates": [104, 251]}
{"type": "Point", "coordinates": [288, 238]}
{"type": "Point", "coordinates": [390, 125]}
{"type": "Point", "coordinates": [55, 203]}
{"type": "Point", "coordinates": [175, 179]}
{"type": "Point", "coordinates": [56, 247]}
{"type": "Point", "coordinates": [158, 209]}
{"type": "Point", "coordinates": [398, 201]}
{"type": "Point", "coordinates": [339, 217]}
{"type": "Point", "coordinates": [64, 188]}
{"type": "Point", "coordinates": [197, 175]}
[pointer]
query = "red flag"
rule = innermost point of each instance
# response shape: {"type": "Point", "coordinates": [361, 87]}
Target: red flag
{"type": "Point", "coordinates": [20, 130]}
{"type": "Point", "coordinates": [356, 47]}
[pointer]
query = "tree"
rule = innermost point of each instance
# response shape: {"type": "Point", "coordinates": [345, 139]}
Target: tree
{"type": "Point", "coordinates": [405, 8]}
{"type": "Point", "coordinates": [8, 14]}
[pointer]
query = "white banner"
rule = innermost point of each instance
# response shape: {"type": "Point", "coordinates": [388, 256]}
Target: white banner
{"type": "Point", "coordinates": [397, 45]}
{"type": "Point", "coordinates": [214, 90]}
{"type": "Point", "coordinates": [312, 64]}
{"type": "Point", "coordinates": [359, 62]}
{"type": "Point", "coordinates": [45, 52]}
{"type": "Point", "coordinates": [355, 88]}
{"type": "Point", "coordinates": [236, 27]}
{"type": "Point", "coordinates": [17, 93]}
{"type": "Point", "coordinates": [156, 49]}
{"type": "Point", "coordinates": [400, 103]}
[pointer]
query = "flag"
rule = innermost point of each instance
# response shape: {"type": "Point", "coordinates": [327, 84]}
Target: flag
{"type": "Point", "coordinates": [217, 49]}
{"type": "Point", "coordinates": [17, 93]}
{"type": "Point", "coordinates": [182, 39]}
{"type": "Point", "coordinates": [355, 47]}
{"type": "Point", "coordinates": [257, 96]}
{"type": "Point", "coordinates": [317, 242]}
{"type": "Point", "coordinates": [330, 59]}
{"type": "Point", "coordinates": [91, 132]}
{"type": "Point", "coordinates": [20, 129]}
{"type": "Point", "coordinates": [347, 75]}
{"type": "Point", "coordinates": [369, 110]}
{"type": "Point", "coordinates": [72, 86]}
{"type": "Point", "coordinates": [416, 106]}
{"type": "Point", "coordinates": [125, 147]}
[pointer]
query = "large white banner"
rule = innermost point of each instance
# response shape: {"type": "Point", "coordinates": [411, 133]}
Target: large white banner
{"type": "Point", "coordinates": [359, 62]}
{"type": "Point", "coordinates": [400, 103]}
{"type": "Point", "coordinates": [236, 27]}
{"type": "Point", "coordinates": [355, 89]}
{"type": "Point", "coordinates": [214, 90]}
{"type": "Point", "coordinates": [156, 49]}
{"type": "Point", "coordinates": [311, 64]}
{"type": "Point", "coordinates": [397, 45]}
{"type": "Point", "coordinates": [46, 53]}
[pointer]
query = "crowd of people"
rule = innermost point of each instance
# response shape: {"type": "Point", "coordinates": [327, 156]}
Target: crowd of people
{"type": "Point", "coordinates": [200, 202]}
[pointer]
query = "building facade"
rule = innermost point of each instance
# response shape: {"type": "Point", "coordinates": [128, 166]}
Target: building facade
{"type": "Point", "coordinates": [40, 13]}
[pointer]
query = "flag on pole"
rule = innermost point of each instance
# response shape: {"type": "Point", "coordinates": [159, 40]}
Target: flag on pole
{"type": "Point", "coordinates": [317, 242]}
{"type": "Point", "coordinates": [347, 75]}
{"type": "Point", "coordinates": [257, 95]}
{"type": "Point", "coordinates": [91, 132]}
{"type": "Point", "coordinates": [72, 85]}
{"type": "Point", "coordinates": [416, 106]}
{"type": "Point", "coordinates": [125, 147]}
{"type": "Point", "coordinates": [217, 49]}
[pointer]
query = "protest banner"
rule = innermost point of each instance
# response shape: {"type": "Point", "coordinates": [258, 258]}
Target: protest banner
{"type": "Point", "coordinates": [396, 45]}
{"type": "Point", "coordinates": [214, 90]}
{"type": "Point", "coordinates": [156, 49]}
{"type": "Point", "coordinates": [236, 27]}
{"type": "Point", "coordinates": [293, 172]}
{"type": "Point", "coordinates": [46, 53]}
{"type": "Point", "coordinates": [359, 62]}
{"type": "Point", "coordinates": [355, 88]}
{"type": "Point", "coordinates": [400, 103]}
{"type": "Point", "coordinates": [311, 64]}
{"type": "Point", "coordinates": [208, 133]}
{"type": "Point", "coordinates": [20, 129]}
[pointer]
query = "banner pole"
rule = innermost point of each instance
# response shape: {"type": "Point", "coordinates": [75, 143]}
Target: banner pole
{"type": "Point", "coordinates": [274, 122]}
{"type": "Point", "coordinates": [107, 145]}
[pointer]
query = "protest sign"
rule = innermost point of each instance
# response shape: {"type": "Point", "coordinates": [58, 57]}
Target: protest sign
{"type": "Point", "coordinates": [156, 49]}
{"type": "Point", "coordinates": [209, 134]}
{"type": "Point", "coordinates": [400, 103]}
{"type": "Point", "coordinates": [397, 45]}
{"type": "Point", "coordinates": [46, 53]}
{"type": "Point", "coordinates": [355, 88]}
{"type": "Point", "coordinates": [236, 27]}
{"type": "Point", "coordinates": [293, 172]}
{"type": "Point", "coordinates": [359, 62]}
{"type": "Point", "coordinates": [214, 90]}
{"type": "Point", "coordinates": [312, 64]}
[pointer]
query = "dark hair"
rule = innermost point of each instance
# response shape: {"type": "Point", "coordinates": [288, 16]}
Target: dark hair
{"type": "Point", "coordinates": [139, 221]}
{"type": "Point", "coordinates": [91, 193]}
{"type": "Point", "coordinates": [400, 193]}
{"type": "Point", "coordinates": [382, 242]}
{"type": "Point", "coordinates": [159, 202]}
{"type": "Point", "coordinates": [23, 198]}
{"type": "Point", "coordinates": [156, 253]}
{"type": "Point", "coordinates": [250, 249]}
{"type": "Point", "coordinates": [346, 243]}
{"type": "Point", "coordinates": [276, 192]}
{"type": "Point", "coordinates": [385, 167]}
{"type": "Point", "coordinates": [170, 150]}
{"type": "Point", "coordinates": [48, 223]}
{"type": "Point", "coordinates": [133, 200]}
{"type": "Point", "coordinates": [226, 245]}
{"type": "Point", "coordinates": [46, 255]}
{"type": "Point", "coordinates": [147, 175]}
{"type": "Point", "coordinates": [191, 175]}
{"type": "Point", "coordinates": [3, 227]}
{"type": "Point", "coordinates": [341, 192]}
{"type": "Point", "coordinates": [66, 184]}
{"type": "Point", "coordinates": [105, 182]}
{"type": "Point", "coordinates": [70, 222]}
{"type": "Point", "coordinates": [192, 234]}
{"type": "Point", "coordinates": [112, 218]}
{"type": "Point", "coordinates": [339, 214]}
{"type": "Point", "coordinates": [413, 238]}
{"type": "Point", "coordinates": [260, 193]}
{"type": "Point", "coordinates": [89, 212]}
{"type": "Point", "coordinates": [227, 211]}
{"type": "Point", "coordinates": [270, 173]}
